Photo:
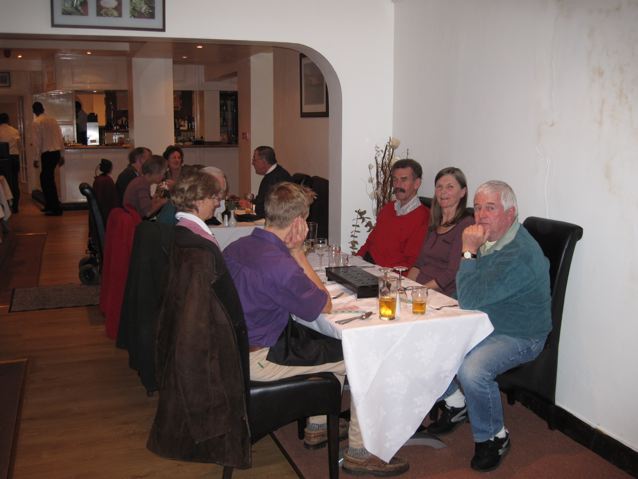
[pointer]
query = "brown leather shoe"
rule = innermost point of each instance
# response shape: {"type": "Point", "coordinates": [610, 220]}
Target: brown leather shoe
{"type": "Point", "coordinates": [318, 438]}
{"type": "Point", "coordinates": [374, 466]}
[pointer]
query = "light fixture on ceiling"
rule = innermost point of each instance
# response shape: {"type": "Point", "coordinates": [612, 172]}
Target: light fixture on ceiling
{"type": "Point", "coordinates": [19, 55]}
{"type": "Point", "coordinates": [200, 46]}
{"type": "Point", "coordinates": [184, 57]}
{"type": "Point", "coordinates": [89, 52]}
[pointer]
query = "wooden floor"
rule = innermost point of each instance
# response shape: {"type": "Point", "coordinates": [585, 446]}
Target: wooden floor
{"type": "Point", "coordinates": [85, 414]}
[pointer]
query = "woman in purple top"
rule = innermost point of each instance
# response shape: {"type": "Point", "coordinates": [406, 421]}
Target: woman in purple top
{"type": "Point", "coordinates": [440, 254]}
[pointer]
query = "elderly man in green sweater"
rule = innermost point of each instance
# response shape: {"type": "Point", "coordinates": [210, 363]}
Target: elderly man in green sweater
{"type": "Point", "coordinates": [504, 273]}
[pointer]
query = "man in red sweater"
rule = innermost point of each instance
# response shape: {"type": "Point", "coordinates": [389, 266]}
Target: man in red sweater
{"type": "Point", "coordinates": [402, 224]}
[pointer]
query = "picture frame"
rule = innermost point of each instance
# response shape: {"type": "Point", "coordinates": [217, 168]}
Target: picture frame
{"type": "Point", "coordinates": [5, 79]}
{"type": "Point", "coordinates": [313, 91]}
{"type": "Point", "coordinates": [111, 14]}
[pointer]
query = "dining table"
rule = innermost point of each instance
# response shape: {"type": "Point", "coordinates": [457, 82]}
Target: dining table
{"type": "Point", "coordinates": [397, 369]}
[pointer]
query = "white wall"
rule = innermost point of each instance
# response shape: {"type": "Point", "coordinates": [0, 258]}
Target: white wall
{"type": "Point", "coordinates": [350, 41]}
{"type": "Point", "coordinates": [262, 131]}
{"type": "Point", "coordinates": [152, 95]}
{"type": "Point", "coordinates": [541, 94]}
{"type": "Point", "coordinates": [301, 143]}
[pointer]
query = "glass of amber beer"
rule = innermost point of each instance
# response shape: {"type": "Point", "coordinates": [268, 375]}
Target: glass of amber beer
{"type": "Point", "coordinates": [388, 288]}
{"type": "Point", "coordinates": [419, 299]}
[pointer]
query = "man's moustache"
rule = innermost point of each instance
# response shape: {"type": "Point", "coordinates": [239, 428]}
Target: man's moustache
{"type": "Point", "coordinates": [398, 190]}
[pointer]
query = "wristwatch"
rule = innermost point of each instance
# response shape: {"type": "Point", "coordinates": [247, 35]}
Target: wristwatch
{"type": "Point", "coordinates": [468, 255]}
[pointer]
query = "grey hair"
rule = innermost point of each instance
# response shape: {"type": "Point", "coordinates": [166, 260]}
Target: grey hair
{"type": "Point", "coordinates": [218, 173]}
{"type": "Point", "coordinates": [505, 192]}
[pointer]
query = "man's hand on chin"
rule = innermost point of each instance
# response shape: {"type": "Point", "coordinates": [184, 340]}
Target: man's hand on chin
{"type": "Point", "coordinates": [473, 237]}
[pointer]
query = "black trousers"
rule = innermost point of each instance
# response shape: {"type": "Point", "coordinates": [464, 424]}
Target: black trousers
{"type": "Point", "coordinates": [50, 160]}
{"type": "Point", "coordinates": [14, 181]}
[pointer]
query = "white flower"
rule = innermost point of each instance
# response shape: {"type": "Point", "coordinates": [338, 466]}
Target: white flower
{"type": "Point", "coordinates": [394, 142]}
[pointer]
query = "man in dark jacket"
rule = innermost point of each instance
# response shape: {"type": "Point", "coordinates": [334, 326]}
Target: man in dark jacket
{"type": "Point", "coordinates": [265, 163]}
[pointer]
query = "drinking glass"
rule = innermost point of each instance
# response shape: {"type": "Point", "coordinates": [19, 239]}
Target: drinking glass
{"type": "Point", "coordinates": [419, 299]}
{"type": "Point", "coordinates": [312, 233]}
{"type": "Point", "coordinates": [403, 297]}
{"type": "Point", "coordinates": [321, 246]}
{"type": "Point", "coordinates": [334, 255]}
{"type": "Point", "coordinates": [388, 288]}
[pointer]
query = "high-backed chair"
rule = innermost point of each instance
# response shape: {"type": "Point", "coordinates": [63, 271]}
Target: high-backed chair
{"type": "Point", "coordinates": [146, 280]}
{"type": "Point", "coordinates": [274, 404]}
{"type": "Point", "coordinates": [319, 210]}
{"type": "Point", "coordinates": [537, 379]}
{"type": "Point", "coordinates": [302, 179]}
{"type": "Point", "coordinates": [90, 268]}
{"type": "Point", "coordinates": [118, 243]}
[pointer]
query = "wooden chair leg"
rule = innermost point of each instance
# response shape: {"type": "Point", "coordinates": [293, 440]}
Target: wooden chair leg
{"type": "Point", "coordinates": [333, 446]}
{"type": "Point", "coordinates": [228, 472]}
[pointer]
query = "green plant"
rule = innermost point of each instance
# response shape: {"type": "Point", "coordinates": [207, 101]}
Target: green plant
{"type": "Point", "coordinates": [360, 220]}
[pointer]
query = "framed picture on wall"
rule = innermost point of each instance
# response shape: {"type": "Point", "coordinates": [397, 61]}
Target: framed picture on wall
{"type": "Point", "coordinates": [313, 91]}
{"type": "Point", "coordinates": [115, 14]}
{"type": "Point", "coordinates": [5, 79]}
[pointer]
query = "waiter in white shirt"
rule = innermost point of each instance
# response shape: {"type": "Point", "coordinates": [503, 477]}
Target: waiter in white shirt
{"type": "Point", "coordinates": [11, 136]}
{"type": "Point", "coordinates": [49, 145]}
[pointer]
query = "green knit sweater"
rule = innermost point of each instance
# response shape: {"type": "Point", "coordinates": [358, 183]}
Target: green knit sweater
{"type": "Point", "coordinates": [511, 284]}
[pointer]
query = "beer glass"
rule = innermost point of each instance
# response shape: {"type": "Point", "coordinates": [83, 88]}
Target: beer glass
{"type": "Point", "coordinates": [419, 299]}
{"type": "Point", "coordinates": [312, 232]}
{"type": "Point", "coordinates": [388, 288]}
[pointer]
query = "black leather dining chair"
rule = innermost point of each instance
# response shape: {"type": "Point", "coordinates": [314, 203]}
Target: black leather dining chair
{"type": "Point", "coordinates": [319, 209]}
{"type": "Point", "coordinates": [302, 179]}
{"type": "Point", "coordinates": [536, 380]}
{"type": "Point", "coordinates": [274, 404]}
{"type": "Point", "coordinates": [91, 267]}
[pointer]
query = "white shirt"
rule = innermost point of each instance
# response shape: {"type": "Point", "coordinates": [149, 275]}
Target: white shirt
{"type": "Point", "coordinates": [409, 207]}
{"type": "Point", "coordinates": [47, 135]}
{"type": "Point", "coordinates": [9, 134]}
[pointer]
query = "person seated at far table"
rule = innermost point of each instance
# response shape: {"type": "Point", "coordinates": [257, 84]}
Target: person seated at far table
{"type": "Point", "coordinates": [167, 213]}
{"type": "Point", "coordinates": [401, 224]}
{"type": "Point", "coordinates": [174, 157]}
{"type": "Point", "coordinates": [440, 254]}
{"type": "Point", "coordinates": [104, 189]}
{"type": "Point", "coordinates": [201, 413]}
{"type": "Point", "coordinates": [136, 158]}
{"type": "Point", "coordinates": [505, 274]}
{"type": "Point", "coordinates": [274, 280]}
{"type": "Point", "coordinates": [265, 164]}
{"type": "Point", "coordinates": [138, 192]}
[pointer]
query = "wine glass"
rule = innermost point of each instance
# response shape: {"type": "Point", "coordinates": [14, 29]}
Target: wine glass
{"type": "Point", "coordinates": [400, 270]}
{"type": "Point", "coordinates": [321, 246]}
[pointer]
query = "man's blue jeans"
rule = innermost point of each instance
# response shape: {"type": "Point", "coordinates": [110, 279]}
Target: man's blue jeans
{"type": "Point", "coordinates": [477, 377]}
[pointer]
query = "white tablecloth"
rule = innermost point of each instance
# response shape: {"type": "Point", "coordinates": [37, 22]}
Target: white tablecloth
{"type": "Point", "coordinates": [227, 234]}
{"type": "Point", "coordinates": [398, 369]}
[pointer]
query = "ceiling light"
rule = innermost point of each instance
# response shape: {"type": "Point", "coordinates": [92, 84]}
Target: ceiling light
{"type": "Point", "coordinates": [200, 46]}
{"type": "Point", "coordinates": [89, 52]}
{"type": "Point", "coordinates": [184, 57]}
{"type": "Point", "coordinates": [19, 55]}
